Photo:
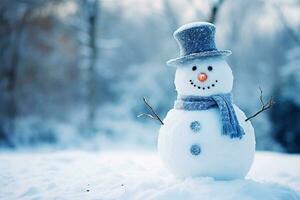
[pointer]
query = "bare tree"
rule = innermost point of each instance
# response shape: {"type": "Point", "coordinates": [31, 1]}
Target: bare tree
{"type": "Point", "coordinates": [170, 15]}
{"type": "Point", "coordinates": [215, 10]}
{"type": "Point", "coordinates": [290, 31]}
{"type": "Point", "coordinates": [93, 14]}
{"type": "Point", "coordinates": [14, 30]}
{"type": "Point", "coordinates": [15, 17]}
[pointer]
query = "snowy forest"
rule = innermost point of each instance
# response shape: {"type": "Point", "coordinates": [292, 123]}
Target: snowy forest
{"type": "Point", "coordinates": [73, 72]}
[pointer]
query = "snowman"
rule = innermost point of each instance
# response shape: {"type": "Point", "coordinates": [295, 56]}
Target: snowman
{"type": "Point", "coordinates": [205, 134]}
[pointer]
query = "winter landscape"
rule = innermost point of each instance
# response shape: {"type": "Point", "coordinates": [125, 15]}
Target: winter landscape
{"type": "Point", "coordinates": [137, 99]}
{"type": "Point", "coordinates": [131, 175]}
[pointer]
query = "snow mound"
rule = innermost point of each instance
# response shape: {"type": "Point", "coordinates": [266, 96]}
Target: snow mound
{"type": "Point", "coordinates": [133, 176]}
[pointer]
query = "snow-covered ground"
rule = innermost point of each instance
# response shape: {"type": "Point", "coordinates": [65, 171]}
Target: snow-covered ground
{"type": "Point", "coordinates": [137, 175]}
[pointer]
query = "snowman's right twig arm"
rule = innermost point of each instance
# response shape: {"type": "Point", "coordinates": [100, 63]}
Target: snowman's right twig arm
{"type": "Point", "coordinates": [155, 117]}
{"type": "Point", "coordinates": [264, 106]}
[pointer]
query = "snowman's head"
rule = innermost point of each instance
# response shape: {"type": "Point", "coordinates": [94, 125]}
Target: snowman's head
{"type": "Point", "coordinates": [204, 77]}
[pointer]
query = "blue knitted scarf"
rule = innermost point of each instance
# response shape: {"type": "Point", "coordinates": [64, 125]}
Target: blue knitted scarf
{"type": "Point", "coordinates": [230, 124]}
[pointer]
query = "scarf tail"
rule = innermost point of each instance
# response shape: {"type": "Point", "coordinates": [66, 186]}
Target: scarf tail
{"type": "Point", "coordinates": [231, 125]}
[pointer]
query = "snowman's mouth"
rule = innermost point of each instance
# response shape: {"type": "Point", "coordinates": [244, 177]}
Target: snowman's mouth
{"type": "Point", "coordinates": [203, 87]}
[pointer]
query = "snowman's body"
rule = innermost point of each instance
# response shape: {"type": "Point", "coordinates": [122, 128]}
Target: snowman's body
{"type": "Point", "coordinates": [191, 142]}
{"type": "Point", "coordinates": [220, 156]}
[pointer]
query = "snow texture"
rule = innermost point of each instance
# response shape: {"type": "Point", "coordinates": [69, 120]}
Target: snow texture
{"type": "Point", "coordinates": [133, 176]}
{"type": "Point", "coordinates": [193, 25]}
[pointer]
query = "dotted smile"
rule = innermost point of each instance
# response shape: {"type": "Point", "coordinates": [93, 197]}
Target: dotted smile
{"type": "Point", "coordinates": [205, 87]}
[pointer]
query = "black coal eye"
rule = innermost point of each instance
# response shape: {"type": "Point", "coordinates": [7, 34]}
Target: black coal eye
{"type": "Point", "coordinates": [194, 68]}
{"type": "Point", "coordinates": [209, 68]}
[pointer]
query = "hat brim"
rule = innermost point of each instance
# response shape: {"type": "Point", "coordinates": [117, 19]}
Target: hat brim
{"type": "Point", "coordinates": [183, 59]}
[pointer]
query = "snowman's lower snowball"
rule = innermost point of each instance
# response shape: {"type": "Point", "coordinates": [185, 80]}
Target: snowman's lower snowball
{"type": "Point", "coordinates": [214, 155]}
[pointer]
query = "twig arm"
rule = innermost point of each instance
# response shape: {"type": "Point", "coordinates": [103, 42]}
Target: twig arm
{"type": "Point", "coordinates": [146, 115]}
{"type": "Point", "coordinates": [152, 110]}
{"type": "Point", "coordinates": [265, 106]}
{"type": "Point", "coordinates": [153, 114]}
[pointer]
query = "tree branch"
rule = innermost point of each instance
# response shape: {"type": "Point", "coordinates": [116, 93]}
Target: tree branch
{"type": "Point", "coordinates": [264, 106]}
{"type": "Point", "coordinates": [155, 117]}
{"type": "Point", "coordinates": [293, 34]}
{"type": "Point", "coordinates": [215, 10]}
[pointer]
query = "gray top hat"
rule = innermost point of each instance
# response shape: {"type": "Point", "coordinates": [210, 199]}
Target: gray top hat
{"type": "Point", "coordinates": [196, 40]}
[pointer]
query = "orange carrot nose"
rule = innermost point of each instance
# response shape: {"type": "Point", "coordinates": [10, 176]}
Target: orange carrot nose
{"type": "Point", "coordinates": [202, 77]}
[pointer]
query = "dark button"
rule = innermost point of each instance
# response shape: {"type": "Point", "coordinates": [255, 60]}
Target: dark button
{"type": "Point", "coordinates": [195, 149]}
{"type": "Point", "coordinates": [195, 126]}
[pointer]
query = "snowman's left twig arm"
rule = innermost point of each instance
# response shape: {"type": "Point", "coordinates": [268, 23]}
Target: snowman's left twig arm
{"type": "Point", "coordinates": [264, 106]}
{"type": "Point", "coordinates": [155, 117]}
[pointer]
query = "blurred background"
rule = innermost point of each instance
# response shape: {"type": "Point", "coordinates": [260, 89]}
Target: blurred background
{"type": "Point", "coordinates": [73, 72]}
